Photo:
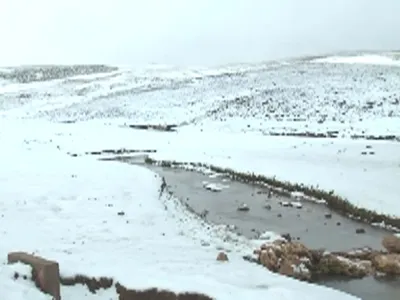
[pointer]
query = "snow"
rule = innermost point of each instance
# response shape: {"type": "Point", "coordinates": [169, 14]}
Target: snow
{"type": "Point", "coordinates": [214, 187]}
{"type": "Point", "coordinates": [19, 288]}
{"type": "Point", "coordinates": [296, 204]}
{"type": "Point", "coordinates": [71, 204]}
{"type": "Point", "coordinates": [243, 207]}
{"type": "Point", "coordinates": [66, 208]}
{"type": "Point", "coordinates": [270, 236]}
{"type": "Point", "coordinates": [372, 59]}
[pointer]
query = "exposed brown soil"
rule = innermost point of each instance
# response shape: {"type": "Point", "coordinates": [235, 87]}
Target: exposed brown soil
{"type": "Point", "coordinates": [95, 284]}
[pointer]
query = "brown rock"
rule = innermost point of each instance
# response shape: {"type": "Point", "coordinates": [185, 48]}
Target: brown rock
{"type": "Point", "coordinates": [288, 258]}
{"type": "Point", "coordinates": [340, 266]}
{"type": "Point", "coordinates": [222, 256]}
{"type": "Point", "coordinates": [45, 272]}
{"type": "Point", "coordinates": [295, 248]}
{"type": "Point", "coordinates": [358, 254]}
{"type": "Point", "coordinates": [360, 230]}
{"type": "Point", "coordinates": [286, 269]}
{"type": "Point", "coordinates": [391, 243]}
{"type": "Point", "coordinates": [387, 263]}
{"type": "Point", "coordinates": [269, 259]}
{"type": "Point", "coordinates": [293, 267]}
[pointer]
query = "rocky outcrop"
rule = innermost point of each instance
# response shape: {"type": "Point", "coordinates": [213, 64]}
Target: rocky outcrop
{"type": "Point", "coordinates": [335, 265]}
{"type": "Point", "coordinates": [388, 264]}
{"type": "Point", "coordinates": [295, 260]}
{"type": "Point", "coordinates": [287, 258]}
{"type": "Point", "coordinates": [222, 256]}
{"type": "Point", "coordinates": [391, 243]}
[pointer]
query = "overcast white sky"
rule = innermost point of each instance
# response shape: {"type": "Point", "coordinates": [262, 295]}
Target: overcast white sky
{"type": "Point", "coordinates": [190, 31]}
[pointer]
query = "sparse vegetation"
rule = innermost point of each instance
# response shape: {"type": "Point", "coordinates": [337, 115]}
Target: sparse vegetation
{"type": "Point", "coordinates": [334, 202]}
{"type": "Point", "coordinates": [115, 152]}
{"type": "Point", "coordinates": [27, 74]}
{"type": "Point", "coordinates": [167, 128]}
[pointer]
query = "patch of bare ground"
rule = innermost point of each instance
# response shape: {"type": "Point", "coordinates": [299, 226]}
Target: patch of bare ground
{"type": "Point", "coordinates": [309, 134]}
{"type": "Point", "coordinates": [167, 128]}
{"type": "Point", "coordinates": [334, 202]}
{"type": "Point", "coordinates": [35, 73]}
{"type": "Point", "coordinates": [95, 284]}
{"type": "Point", "coordinates": [335, 134]}
{"type": "Point", "coordinates": [115, 152]}
{"type": "Point", "coordinates": [377, 137]}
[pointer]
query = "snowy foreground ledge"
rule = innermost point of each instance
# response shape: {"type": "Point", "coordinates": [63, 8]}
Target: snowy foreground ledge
{"type": "Point", "coordinates": [66, 209]}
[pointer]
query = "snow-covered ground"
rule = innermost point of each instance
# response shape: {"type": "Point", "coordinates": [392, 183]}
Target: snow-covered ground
{"type": "Point", "coordinates": [59, 206]}
{"type": "Point", "coordinates": [66, 209]}
{"type": "Point", "coordinates": [369, 59]}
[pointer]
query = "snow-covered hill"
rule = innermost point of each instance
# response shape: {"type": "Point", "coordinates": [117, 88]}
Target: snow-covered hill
{"type": "Point", "coordinates": [299, 96]}
{"type": "Point", "coordinates": [228, 116]}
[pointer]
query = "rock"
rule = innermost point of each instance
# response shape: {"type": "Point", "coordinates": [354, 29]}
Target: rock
{"type": "Point", "coordinates": [284, 203]}
{"type": "Point", "coordinates": [387, 263]}
{"type": "Point", "coordinates": [45, 272]}
{"type": "Point", "coordinates": [295, 268]}
{"type": "Point", "coordinates": [360, 230]}
{"type": "Point", "coordinates": [359, 254]}
{"type": "Point", "coordinates": [296, 248]}
{"type": "Point", "coordinates": [297, 205]}
{"type": "Point", "coordinates": [213, 187]}
{"type": "Point", "coordinates": [268, 258]}
{"type": "Point", "coordinates": [268, 206]}
{"type": "Point", "coordinates": [222, 256]}
{"type": "Point", "coordinates": [204, 214]}
{"type": "Point", "coordinates": [243, 207]}
{"type": "Point", "coordinates": [287, 258]}
{"type": "Point", "coordinates": [391, 243]}
{"type": "Point", "coordinates": [296, 260]}
{"type": "Point", "coordinates": [287, 237]}
{"type": "Point", "coordinates": [333, 265]}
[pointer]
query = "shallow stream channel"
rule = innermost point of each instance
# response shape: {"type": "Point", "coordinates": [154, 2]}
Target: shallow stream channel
{"type": "Point", "coordinates": [312, 224]}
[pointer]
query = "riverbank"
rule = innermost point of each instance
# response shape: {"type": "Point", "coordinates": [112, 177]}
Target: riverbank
{"type": "Point", "coordinates": [313, 225]}
{"type": "Point", "coordinates": [310, 193]}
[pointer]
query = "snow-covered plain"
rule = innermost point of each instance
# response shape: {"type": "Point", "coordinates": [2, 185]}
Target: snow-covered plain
{"type": "Point", "coordinates": [66, 208]}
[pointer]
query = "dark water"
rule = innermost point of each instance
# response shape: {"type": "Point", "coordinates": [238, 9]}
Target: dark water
{"type": "Point", "coordinates": [368, 288]}
{"type": "Point", "coordinates": [308, 223]}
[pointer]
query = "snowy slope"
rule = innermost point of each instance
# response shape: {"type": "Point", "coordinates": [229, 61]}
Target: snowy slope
{"type": "Point", "coordinates": [273, 97]}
